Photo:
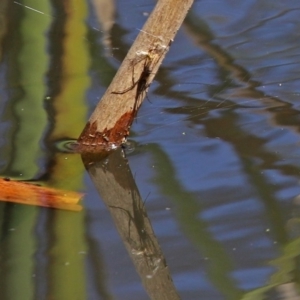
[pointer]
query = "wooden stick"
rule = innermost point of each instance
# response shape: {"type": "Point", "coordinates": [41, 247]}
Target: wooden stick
{"type": "Point", "coordinates": [109, 124]}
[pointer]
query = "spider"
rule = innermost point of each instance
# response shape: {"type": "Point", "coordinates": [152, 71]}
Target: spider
{"type": "Point", "coordinates": [141, 82]}
{"type": "Point", "coordinates": [150, 59]}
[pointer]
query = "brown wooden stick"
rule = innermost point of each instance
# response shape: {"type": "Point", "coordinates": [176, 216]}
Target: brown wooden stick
{"type": "Point", "coordinates": [109, 124]}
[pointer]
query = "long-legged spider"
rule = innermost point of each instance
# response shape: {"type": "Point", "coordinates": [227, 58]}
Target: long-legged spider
{"type": "Point", "coordinates": [150, 59]}
{"type": "Point", "coordinates": [141, 83]}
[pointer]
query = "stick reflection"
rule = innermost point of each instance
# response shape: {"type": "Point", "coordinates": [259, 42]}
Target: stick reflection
{"type": "Point", "coordinates": [114, 182]}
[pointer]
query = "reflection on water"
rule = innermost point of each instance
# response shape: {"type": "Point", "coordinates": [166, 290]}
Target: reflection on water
{"type": "Point", "coordinates": [214, 154]}
{"type": "Point", "coordinates": [115, 184]}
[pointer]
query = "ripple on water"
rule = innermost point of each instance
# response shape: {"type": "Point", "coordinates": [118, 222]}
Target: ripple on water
{"type": "Point", "coordinates": [67, 146]}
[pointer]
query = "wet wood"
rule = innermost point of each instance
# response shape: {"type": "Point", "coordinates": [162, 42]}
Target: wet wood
{"type": "Point", "coordinates": [109, 124]}
{"type": "Point", "coordinates": [114, 182]}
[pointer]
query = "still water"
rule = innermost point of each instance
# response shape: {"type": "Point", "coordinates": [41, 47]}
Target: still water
{"type": "Point", "coordinates": [214, 154]}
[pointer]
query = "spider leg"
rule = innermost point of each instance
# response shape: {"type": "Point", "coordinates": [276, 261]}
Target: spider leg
{"type": "Point", "coordinates": [126, 90]}
{"type": "Point", "coordinates": [134, 83]}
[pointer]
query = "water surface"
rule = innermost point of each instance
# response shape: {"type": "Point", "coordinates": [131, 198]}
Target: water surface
{"type": "Point", "coordinates": [214, 153]}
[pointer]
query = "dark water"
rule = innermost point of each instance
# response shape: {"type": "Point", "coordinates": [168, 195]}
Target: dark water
{"type": "Point", "coordinates": [214, 153]}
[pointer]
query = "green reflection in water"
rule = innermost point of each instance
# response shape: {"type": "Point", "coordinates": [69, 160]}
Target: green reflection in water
{"type": "Point", "coordinates": [285, 276]}
{"type": "Point", "coordinates": [68, 249]}
{"type": "Point", "coordinates": [188, 209]}
{"type": "Point", "coordinates": [29, 110]}
{"type": "Point", "coordinates": [20, 244]}
{"type": "Point", "coordinates": [31, 120]}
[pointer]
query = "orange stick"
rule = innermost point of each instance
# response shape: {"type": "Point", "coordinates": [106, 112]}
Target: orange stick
{"type": "Point", "coordinates": [32, 194]}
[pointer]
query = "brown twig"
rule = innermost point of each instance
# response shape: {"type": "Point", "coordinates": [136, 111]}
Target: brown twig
{"type": "Point", "coordinates": [109, 124]}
